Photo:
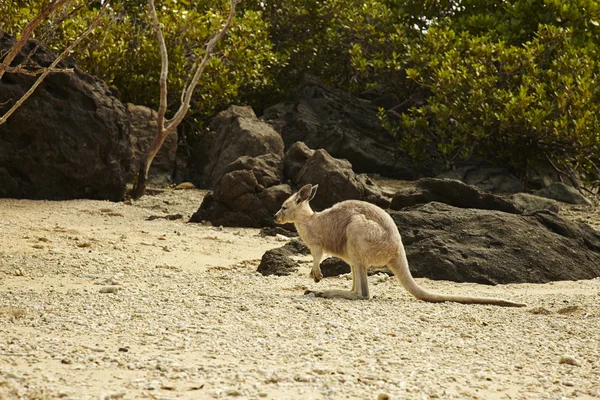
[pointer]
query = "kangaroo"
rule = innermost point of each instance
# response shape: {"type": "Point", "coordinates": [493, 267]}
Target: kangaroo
{"type": "Point", "coordinates": [363, 235]}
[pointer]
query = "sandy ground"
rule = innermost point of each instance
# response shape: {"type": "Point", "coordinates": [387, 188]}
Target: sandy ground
{"type": "Point", "coordinates": [99, 302]}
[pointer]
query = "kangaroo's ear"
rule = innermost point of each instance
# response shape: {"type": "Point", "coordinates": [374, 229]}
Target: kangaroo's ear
{"type": "Point", "coordinates": [313, 192]}
{"type": "Point", "coordinates": [304, 193]}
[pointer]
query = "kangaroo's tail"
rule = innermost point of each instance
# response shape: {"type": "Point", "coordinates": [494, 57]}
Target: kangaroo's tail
{"type": "Point", "coordinates": [399, 266]}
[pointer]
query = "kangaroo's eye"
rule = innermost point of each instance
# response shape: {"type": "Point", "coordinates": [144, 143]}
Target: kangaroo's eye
{"type": "Point", "coordinates": [283, 208]}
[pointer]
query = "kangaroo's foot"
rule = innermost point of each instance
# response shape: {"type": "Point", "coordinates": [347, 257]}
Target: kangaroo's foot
{"type": "Point", "coordinates": [341, 294]}
{"type": "Point", "coordinates": [316, 275]}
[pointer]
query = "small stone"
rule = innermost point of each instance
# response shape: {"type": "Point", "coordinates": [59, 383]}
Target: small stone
{"type": "Point", "coordinates": [570, 360]}
{"type": "Point", "coordinates": [109, 289]}
{"type": "Point", "coordinates": [540, 311]}
{"type": "Point", "coordinates": [113, 396]}
{"type": "Point", "coordinates": [185, 186]}
{"type": "Point", "coordinates": [383, 396]}
{"type": "Point", "coordinates": [281, 238]}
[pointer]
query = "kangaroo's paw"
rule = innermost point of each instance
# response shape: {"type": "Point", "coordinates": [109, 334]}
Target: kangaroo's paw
{"type": "Point", "coordinates": [316, 276]}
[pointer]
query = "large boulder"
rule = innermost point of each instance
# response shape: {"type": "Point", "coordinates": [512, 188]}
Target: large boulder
{"type": "Point", "coordinates": [452, 192]}
{"type": "Point", "coordinates": [235, 132]}
{"type": "Point", "coordinates": [495, 180]}
{"type": "Point", "coordinates": [345, 126]}
{"type": "Point", "coordinates": [70, 139]}
{"type": "Point", "coordinates": [494, 247]}
{"type": "Point", "coordinates": [337, 182]}
{"type": "Point", "coordinates": [561, 192]}
{"type": "Point", "coordinates": [143, 131]}
{"type": "Point", "coordinates": [531, 202]}
{"type": "Point", "coordinates": [249, 193]}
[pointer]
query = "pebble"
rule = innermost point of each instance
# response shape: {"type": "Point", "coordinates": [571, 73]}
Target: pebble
{"type": "Point", "coordinates": [109, 289]}
{"type": "Point", "coordinates": [570, 360]}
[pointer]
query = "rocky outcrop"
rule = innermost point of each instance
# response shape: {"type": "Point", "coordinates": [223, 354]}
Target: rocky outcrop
{"type": "Point", "coordinates": [529, 202]}
{"type": "Point", "coordinates": [345, 126]}
{"type": "Point", "coordinates": [561, 192]}
{"type": "Point", "coordinates": [235, 132]}
{"type": "Point", "coordinates": [493, 247]}
{"type": "Point", "coordinates": [494, 180]}
{"type": "Point", "coordinates": [337, 182]}
{"type": "Point", "coordinates": [70, 139]}
{"type": "Point", "coordinates": [452, 192]}
{"type": "Point", "coordinates": [143, 130]}
{"type": "Point", "coordinates": [248, 195]}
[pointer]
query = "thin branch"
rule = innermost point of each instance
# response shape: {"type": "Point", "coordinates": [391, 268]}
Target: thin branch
{"type": "Point", "coordinates": [46, 33]}
{"type": "Point", "coordinates": [52, 66]}
{"type": "Point", "coordinates": [27, 33]}
{"type": "Point", "coordinates": [180, 114]}
{"type": "Point", "coordinates": [20, 69]}
{"type": "Point", "coordinates": [164, 71]}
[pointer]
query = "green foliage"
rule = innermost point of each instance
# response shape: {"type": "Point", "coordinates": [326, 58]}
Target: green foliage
{"type": "Point", "coordinates": [513, 82]}
{"type": "Point", "coordinates": [512, 105]}
{"type": "Point", "coordinates": [124, 51]}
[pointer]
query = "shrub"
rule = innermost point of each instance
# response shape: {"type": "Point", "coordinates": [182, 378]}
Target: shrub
{"type": "Point", "coordinates": [512, 105]}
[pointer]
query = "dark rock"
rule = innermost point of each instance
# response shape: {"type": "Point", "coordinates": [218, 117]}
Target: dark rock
{"type": "Point", "coordinates": [296, 247]}
{"type": "Point", "coordinates": [70, 139]}
{"type": "Point", "coordinates": [452, 192]}
{"type": "Point", "coordinates": [143, 131]}
{"type": "Point", "coordinates": [334, 266]}
{"type": "Point", "coordinates": [237, 133]}
{"type": "Point", "coordinates": [345, 126]}
{"type": "Point", "coordinates": [241, 199]}
{"type": "Point", "coordinates": [493, 247]}
{"type": "Point", "coordinates": [529, 202]}
{"type": "Point", "coordinates": [337, 182]}
{"type": "Point", "coordinates": [278, 262]}
{"type": "Point", "coordinates": [495, 180]}
{"type": "Point", "coordinates": [561, 192]}
{"type": "Point", "coordinates": [295, 158]}
{"type": "Point", "coordinates": [267, 168]}
{"type": "Point", "coordinates": [277, 230]}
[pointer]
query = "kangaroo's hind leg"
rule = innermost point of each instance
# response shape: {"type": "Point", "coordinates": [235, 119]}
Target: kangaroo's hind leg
{"type": "Point", "coordinates": [360, 287]}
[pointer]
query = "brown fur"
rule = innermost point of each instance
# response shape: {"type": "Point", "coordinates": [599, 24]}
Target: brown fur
{"type": "Point", "coordinates": [363, 235]}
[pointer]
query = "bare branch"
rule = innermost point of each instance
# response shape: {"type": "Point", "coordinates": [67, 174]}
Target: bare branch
{"type": "Point", "coordinates": [20, 69]}
{"type": "Point", "coordinates": [163, 130]}
{"type": "Point", "coordinates": [46, 35]}
{"type": "Point", "coordinates": [164, 71]}
{"type": "Point", "coordinates": [27, 33]}
{"type": "Point", "coordinates": [183, 108]}
{"type": "Point", "coordinates": [52, 66]}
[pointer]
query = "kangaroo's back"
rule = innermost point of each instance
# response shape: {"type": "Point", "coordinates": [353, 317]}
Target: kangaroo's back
{"type": "Point", "coordinates": [354, 228]}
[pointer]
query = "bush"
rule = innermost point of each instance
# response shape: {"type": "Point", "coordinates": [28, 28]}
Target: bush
{"type": "Point", "coordinates": [513, 105]}
{"type": "Point", "coordinates": [124, 52]}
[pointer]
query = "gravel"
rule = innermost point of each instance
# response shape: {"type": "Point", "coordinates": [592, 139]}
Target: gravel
{"type": "Point", "coordinates": [99, 302]}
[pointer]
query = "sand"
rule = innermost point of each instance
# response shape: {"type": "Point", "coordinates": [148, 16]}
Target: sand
{"type": "Point", "coordinates": [99, 302]}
